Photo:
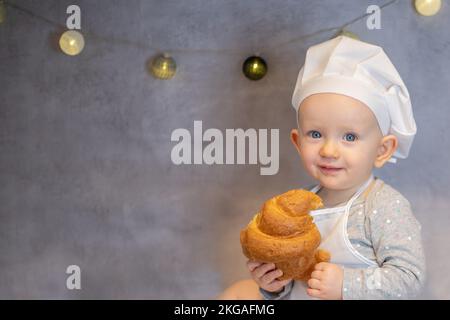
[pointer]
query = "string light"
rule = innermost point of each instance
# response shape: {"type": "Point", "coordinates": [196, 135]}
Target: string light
{"type": "Point", "coordinates": [427, 7]}
{"type": "Point", "coordinates": [146, 46]}
{"type": "Point", "coordinates": [71, 42]}
{"type": "Point", "coordinates": [164, 67]}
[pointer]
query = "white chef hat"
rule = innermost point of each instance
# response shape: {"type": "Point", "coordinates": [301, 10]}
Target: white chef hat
{"type": "Point", "coordinates": [362, 71]}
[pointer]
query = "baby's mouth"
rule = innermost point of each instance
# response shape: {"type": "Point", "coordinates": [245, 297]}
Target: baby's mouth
{"type": "Point", "coordinates": [329, 170]}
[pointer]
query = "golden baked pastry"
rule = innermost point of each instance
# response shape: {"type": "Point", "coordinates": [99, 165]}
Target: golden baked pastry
{"type": "Point", "coordinates": [284, 233]}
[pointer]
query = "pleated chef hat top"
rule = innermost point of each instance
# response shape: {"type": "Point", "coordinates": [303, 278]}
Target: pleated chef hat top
{"type": "Point", "coordinates": [362, 71]}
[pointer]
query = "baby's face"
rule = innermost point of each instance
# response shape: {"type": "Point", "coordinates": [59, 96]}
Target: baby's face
{"type": "Point", "coordinates": [341, 132]}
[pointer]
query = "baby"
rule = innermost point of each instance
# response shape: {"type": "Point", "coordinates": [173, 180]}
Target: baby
{"type": "Point", "coordinates": [353, 114]}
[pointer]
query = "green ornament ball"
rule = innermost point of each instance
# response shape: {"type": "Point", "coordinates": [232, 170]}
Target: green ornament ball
{"type": "Point", "coordinates": [254, 68]}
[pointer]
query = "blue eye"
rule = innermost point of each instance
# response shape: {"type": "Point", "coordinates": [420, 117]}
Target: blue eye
{"type": "Point", "coordinates": [314, 134]}
{"type": "Point", "coordinates": [352, 137]}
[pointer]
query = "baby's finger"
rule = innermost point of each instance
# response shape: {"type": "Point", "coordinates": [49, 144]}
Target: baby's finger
{"type": "Point", "coordinates": [263, 269]}
{"type": "Point", "coordinates": [314, 284]}
{"type": "Point", "coordinates": [321, 266]}
{"type": "Point", "coordinates": [271, 276]}
{"type": "Point", "coordinates": [277, 285]}
{"type": "Point", "coordinates": [314, 293]}
{"type": "Point", "coordinates": [282, 283]}
{"type": "Point", "coordinates": [251, 265]}
{"type": "Point", "coordinates": [317, 275]}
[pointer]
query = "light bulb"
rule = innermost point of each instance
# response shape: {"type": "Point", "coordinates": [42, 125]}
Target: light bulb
{"type": "Point", "coordinates": [71, 42]}
{"type": "Point", "coordinates": [428, 7]}
{"type": "Point", "coordinates": [163, 67]}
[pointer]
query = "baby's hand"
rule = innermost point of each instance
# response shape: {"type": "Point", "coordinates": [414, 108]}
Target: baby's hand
{"type": "Point", "coordinates": [266, 276]}
{"type": "Point", "coordinates": [326, 281]}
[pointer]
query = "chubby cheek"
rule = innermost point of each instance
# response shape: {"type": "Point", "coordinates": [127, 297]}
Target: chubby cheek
{"type": "Point", "coordinates": [358, 162]}
{"type": "Point", "coordinates": [309, 158]}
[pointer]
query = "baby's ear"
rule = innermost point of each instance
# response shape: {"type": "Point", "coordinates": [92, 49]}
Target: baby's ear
{"type": "Point", "coordinates": [386, 149]}
{"type": "Point", "coordinates": [295, 139]}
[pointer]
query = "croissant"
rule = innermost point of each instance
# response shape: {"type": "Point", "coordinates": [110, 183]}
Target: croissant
{"type": "Point", "coordinates": [284, 233]}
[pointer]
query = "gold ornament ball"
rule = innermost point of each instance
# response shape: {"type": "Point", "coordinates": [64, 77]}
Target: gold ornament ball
{"type": "Point", "coordinates": [71, 42]}
{"type": "Point", "coordinates": [163, 67]}
{"type": "Point", "coordinates": [254, 68]}
{"type": "Point", "coordinates": [428, 7]}
{"type": "Point", "coordinates": [2, 12]}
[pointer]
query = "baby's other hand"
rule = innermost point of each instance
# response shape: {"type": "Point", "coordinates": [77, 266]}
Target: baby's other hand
{"type": "Point", "coordinates": [265, 275]}
{"type": "Point", "coordinates": [326, 281]}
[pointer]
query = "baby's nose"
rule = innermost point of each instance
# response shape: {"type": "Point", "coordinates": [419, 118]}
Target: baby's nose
{"type": "Point", "coordinates": [329, 150]}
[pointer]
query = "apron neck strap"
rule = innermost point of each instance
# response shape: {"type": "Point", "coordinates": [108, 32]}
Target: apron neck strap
{"type": "Point", "coordinates": [362, 188]}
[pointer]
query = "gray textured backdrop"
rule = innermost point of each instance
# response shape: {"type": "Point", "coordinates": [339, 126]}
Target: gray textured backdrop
{"type": "Point", "coordinates": [85, 170]}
